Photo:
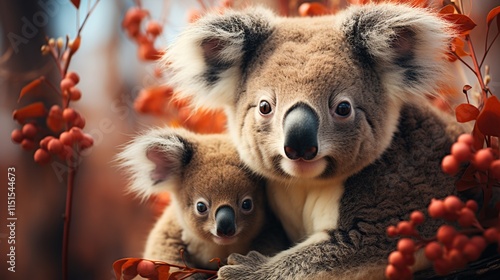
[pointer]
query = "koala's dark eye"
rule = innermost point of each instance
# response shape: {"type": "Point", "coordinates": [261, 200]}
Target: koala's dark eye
{"type": "Point", "coordinates": [201, 207]}
{"type": "Point", "coordinates": [343, 109]}
{"type": "Point", "coordinates": [247, 205]}
{"type": "Point", "coordinates": [265, 107]}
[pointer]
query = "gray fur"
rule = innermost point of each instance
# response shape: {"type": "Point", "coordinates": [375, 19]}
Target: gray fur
{"type": "Point", "coordinates": [194, 168]}
{"type": "Point", "coordinates": [374, 165]}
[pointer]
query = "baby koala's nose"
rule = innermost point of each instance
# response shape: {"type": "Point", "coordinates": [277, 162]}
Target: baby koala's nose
{"type": "Point", "coordinates": [225, 221]}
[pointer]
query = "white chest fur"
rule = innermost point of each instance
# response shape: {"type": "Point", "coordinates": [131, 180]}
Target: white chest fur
{"type": "Point", "coordinates": [304, 209]}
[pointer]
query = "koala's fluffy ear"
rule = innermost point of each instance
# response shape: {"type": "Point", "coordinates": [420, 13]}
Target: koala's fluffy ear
{"type": "Point", "coordinates": [155, 160]}
{"type": "Point", "coordinates": [208, 59]}
{"type": "Point", "coordinates": [406, 45]}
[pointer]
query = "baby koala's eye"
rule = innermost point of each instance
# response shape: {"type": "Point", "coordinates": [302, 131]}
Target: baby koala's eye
{"type": "Point", "coordinates": [201, 207]}
{"type": "Point", "coordinates": [343, 109]}
{"type": "Point", "coordinates": [265, 107]}
{"type": "Point", "coordinates": [247, 205]}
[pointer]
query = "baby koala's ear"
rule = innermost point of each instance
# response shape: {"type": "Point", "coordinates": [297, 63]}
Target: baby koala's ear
{"type": "Point", "coordinates": [155, 160]}
{"type": "Point", "coordinates": [209, 58]}
{"type": "Point", "coordinates": [406, 45]}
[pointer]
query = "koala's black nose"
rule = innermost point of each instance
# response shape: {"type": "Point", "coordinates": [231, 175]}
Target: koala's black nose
{"type": "Point", "coordinates": [300, 127]}
{"type": "Point", "coordinates": [225, 221]}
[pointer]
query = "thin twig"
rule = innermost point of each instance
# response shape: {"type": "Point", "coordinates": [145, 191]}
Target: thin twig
{"type": "Point", "coordinates": [477, 68]}
{"type": "Point", "coordinates": [87, 17]}
{"type": "Point", "coordinates": [463, 61]}
{"type": "Point", "coordinates": [67, 217]}
{"type": "Point", "coordinates": [489, 47]}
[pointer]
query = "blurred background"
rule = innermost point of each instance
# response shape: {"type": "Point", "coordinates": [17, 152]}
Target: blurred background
{"type": "Point", "coordinates": [107, 223]}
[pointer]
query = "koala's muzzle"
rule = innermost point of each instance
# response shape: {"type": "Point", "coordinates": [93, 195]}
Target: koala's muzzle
{"type": "Point", "coordinates": [300, 128]}
{"type": "Point", "coordinates": [225, 221]}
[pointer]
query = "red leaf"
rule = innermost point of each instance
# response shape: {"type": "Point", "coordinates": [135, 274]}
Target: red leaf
{"type": "Point", "coordinates": [478, 138]}
{"type": "Point", "coordinates": [463, 24]}
{"type": "Point", "coordinates": [466, 112]}
{"type": "Point", "coordinates": [127, 266]}
{"type": "Point", "coordinates": [163, 272]}
{"type": "Point", "coordinates": [34, 110]}
{"type": "Point", "coordinates": [488, 121]}
{"type": "Point", "coordinates": [457, 46]}
{"type": "Point", "coordinates": [117, 267]}
{"type": "Point", "coordinates": [492, 14]}
{"type": "Point", "coordinates": [130, 266]}
{"type": "Point", "coordinates": [448, 9]}
{"type": "Point", "coordinates": [30, 87]}
{"type": "Point", "coordinates": [76, 3]}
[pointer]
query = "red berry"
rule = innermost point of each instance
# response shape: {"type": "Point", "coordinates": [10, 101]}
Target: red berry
{"type": "Point", "coordinates": [406, 246]}
{"type": "Point", "coordinates": [460, 241]}
{"type": "Point", "coordinates": [41, 156]}
{"type": "Point", "coordinates": [405, 228]}
{"type": "Point", "coordinates": [437, 209]}
{"type": "Point", "coordinates": [44, 143]}
{"type": "Point", "coordinates": [29, 131]}
{"type": "Point", "coordinates": [75, 94]}
{"type": "Point", "coordinates": [466, 217]}
{"type": "Point", "coordinates": [453, 204]}
{"type": "Point", "coordinates": [417, 217]}
{"type": "Point", "coordinates": [495, 169]}
{"type": "Point", "coordinates": [391, 272]}
{"type": "Point", "coordinates": [392, 231]}
{"type": "Point", "coordinates": [77, 133]}
{"type": "Point", "coordinates": [73, 76]}
{"type": "Point", "coordinates": [55, 122]}
{"type": "Point", "coordinates": [397, 259]}
{"type": "Point", "coordinates": [442, 266]}
{"type": "Point", "coordinates": [457, 258]}
{"type": "Point", "coordinates": [55, 110]}
{"type": "Point", "coordinates": [79, 121]}
{"type": "Point", "coordinates": [466, 139]}
{"type": "Point", "coordinates": [483, 159]}
{"type": "Point", "coordinates": [66, 84]}
{"type": "Point", "coordinates": [446, 234]}
{"type": "Point", "coordinates": [66, 138]}
{"type": "Point", "coordinates": [86, 142]}
{"type": "Point", "coordinates": [55, 146]}
{"type": "Point", "coordinates": [69, 114]}
{"type": "Point", "coordinates": [154, 28]}
{"type": "Point", "coordinates": [405, 273]}
{"type": "Point", "coordinates": [17, 136]}
{"type": "Point", "coordinates": [433, 251]}
{"type": "Point", "coordinates": [450, 165]}
{"type": "Point", "coordinates": [28, 144]}
{"type": "Point", "coordinates": [461, 152]}
{"type": "Point", "coordinates": [479, 242]}
{"type": "Point", "coordinates": [491, 235]}
{"type": "Point", "coordinates": [471, 252]}
{"type": "Point", "coordinates": [472, 205]}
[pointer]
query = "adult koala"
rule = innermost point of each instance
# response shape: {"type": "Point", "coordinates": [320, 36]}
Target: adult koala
{"type": "Point", "coordinates": [331, 111]}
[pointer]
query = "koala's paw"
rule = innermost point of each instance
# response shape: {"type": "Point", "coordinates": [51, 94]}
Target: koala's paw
{"type": "Point", "coordinates": [246, 267]}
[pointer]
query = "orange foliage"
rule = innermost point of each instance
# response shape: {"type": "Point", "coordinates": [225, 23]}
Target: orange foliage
{"type": "Point", "coordinates": [127, 268]}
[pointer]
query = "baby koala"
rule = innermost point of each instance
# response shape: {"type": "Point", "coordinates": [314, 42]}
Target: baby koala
{"type": "Point", "coordinates": [218, 206]}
